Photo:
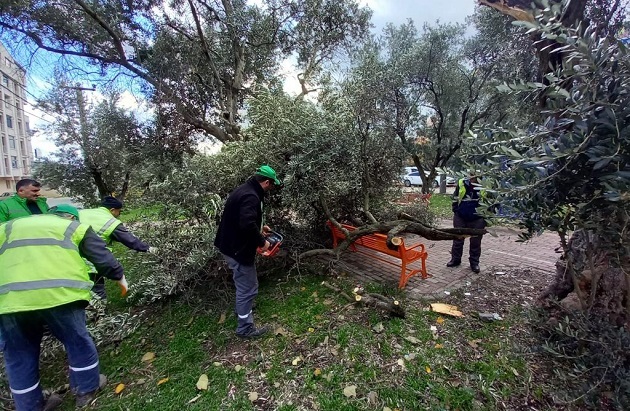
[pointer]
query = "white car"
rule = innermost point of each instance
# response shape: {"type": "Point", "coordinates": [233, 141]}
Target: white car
{"type": "Point", "coordinates": [412, 178]}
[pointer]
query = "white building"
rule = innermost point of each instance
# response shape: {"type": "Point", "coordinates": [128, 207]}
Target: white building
{"type": "Point", "coordinates": [16, 154]}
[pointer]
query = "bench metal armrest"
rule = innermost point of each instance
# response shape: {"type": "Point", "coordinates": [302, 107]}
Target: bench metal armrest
{"type": "Point", "coordinates": [416, 246]}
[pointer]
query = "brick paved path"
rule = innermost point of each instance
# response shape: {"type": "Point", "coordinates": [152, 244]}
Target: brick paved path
{"type": "Point", "coordinates": [497, 253]}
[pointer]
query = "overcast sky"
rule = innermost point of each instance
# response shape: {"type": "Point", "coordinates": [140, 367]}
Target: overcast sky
{"type": "Point", "coordinates": [420, 11]}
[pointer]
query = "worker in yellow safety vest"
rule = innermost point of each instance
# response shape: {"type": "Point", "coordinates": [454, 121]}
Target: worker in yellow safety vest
{"type": "Point", "coordinates": [105, 223]}
{"type": "Point", "coordinates": [465, 202]}
{"type": "Point", "coordinates": [44, 282]}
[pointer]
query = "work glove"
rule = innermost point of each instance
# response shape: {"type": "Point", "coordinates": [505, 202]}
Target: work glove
{"type": "Point", "coordinates": [153, 250]}
{"type": "Point", "coordinates": [122, 283]}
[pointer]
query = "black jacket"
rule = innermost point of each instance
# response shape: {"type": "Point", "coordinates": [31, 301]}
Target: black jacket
{"type": "Point", "coordinates": [466, 200]}
{"type": "Point", "coordinates": [94, 249]}
{"type": "Point", "coordinates": [239, 232]}
{"type": "Point", "coordinates": [123, 236]}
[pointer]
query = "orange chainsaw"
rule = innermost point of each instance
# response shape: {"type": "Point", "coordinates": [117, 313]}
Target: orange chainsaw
{"type": "Point", "coordinates": [275, 239]}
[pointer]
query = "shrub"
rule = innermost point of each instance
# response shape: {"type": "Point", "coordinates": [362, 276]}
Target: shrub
{"type": "Point", "coordinates": [591, 359]}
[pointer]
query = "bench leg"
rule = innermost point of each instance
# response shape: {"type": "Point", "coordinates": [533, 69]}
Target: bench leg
{"type": "Point", "coordinates": [403, 276]}
{"type": "Point", "coordinates": [424, 268]}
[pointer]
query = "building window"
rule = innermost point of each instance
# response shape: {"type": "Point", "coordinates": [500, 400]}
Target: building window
{"type": "Point", "coordinates": [20, 127]}
{"type": "Point", "coordinates": [12, 142]}
{"type": "Point", "coordinates": [7, 101]}
{"type": "Point", "coordinates": [1, 122]}
{"type": "Point", "coordinates": [9, 122]}
{"type": "Point", "coordinates": [14, 162]}
{"type": "Point", "coordinates": [24, 166]}
{"type": "Point", "coordinates": [4, 143]}
{"type": "Point", "coordinates": [22, 146]}
{"type": "Point", "coordinates": [6, 164]}
{"type": "Point", "coordinates": [5, 79]}
{"type": "Point", "coordinates": [7, 62]}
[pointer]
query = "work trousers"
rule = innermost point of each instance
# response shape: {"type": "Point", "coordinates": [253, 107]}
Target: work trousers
{"type": "Point", "coordinates": [474, 251]}
{"type": "Point", "coordinates": [20, 340]}
{"type": "Point", "coordinates": [246, 282]}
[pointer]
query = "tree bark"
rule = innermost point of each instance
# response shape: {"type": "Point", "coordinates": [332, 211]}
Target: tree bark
{"type": "Point", "coordinates": [378, 301]}
{"type": "Point", "coordinates": [393, 229]}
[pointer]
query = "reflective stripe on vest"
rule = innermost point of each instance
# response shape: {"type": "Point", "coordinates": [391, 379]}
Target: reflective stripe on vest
{"type": "Point", "coordinates": [65, 243]}
{"type": "Point", "coordinates": [40, 263]}
{"type": "Point", "coordinates": [106, 226]}
{"type": "Point", "coordinates": [41, 284]}
{"type": "Point", "coordinates": [101, 221]}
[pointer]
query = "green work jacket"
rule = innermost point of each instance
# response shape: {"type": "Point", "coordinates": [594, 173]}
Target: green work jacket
{"type": "Point", "coordinates": [15, 206]}
{"type": "Point", "coordinates": [40, 264]}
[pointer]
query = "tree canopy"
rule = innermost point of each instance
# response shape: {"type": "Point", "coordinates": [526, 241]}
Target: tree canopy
{"type": "Point", "coordinates": [198, 60]}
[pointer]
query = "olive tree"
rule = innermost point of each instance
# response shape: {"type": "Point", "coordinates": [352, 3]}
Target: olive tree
{"type": "Point", "coordinates": [571, 173]}
{"type": "Point", "coordinates": [198, 60]}
{"type": "Point", "coordinates": [100, 146]}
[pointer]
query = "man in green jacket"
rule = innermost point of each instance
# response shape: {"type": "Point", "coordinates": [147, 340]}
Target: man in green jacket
{"type": "Point", "coordinates": [26, 201]}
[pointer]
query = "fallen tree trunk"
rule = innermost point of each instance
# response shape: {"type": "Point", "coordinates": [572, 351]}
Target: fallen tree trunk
{"type": "Point", "coordinates": [393, 229]}
{"type": "Point", "coordinates": [378, 301]}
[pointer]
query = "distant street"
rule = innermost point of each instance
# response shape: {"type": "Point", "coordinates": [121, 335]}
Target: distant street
{"type": "Point", "coordinates": [62, 200]}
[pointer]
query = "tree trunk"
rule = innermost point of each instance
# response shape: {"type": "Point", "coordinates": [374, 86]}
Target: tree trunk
{"type": "Point", "coordinates": [101, 185]}
{"type": "Point", "coordinates": [587, 269]}
{"type": "Point", "coordinates": [125, 187]}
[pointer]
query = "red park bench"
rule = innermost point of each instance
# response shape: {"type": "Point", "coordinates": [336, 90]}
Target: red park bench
{"type": "Point", "coordinates": [378, 242]}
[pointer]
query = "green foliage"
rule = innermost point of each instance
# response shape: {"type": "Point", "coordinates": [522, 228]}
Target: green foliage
{"type": "Point", "coordinates": [180, 221]}
{"type": "Point", "coordinates": [320, 155]}
{"type": "Point", "coordinates": [427, 89]}
{"type": "Point", "coordinates": [596, 369]}
{"type": "Point", "coordinates": [572, 170]}
{"type": "Point", "coordinates": [100, 146]}
{"type": "Point", "coordinates": [197, 61]}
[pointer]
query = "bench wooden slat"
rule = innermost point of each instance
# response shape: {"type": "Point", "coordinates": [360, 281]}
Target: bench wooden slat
{"type": "Point", "coordinates": [378, 242]}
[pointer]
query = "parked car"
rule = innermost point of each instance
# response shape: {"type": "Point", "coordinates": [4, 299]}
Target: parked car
{"type": "Point", "coordinates": [412, 178]}
{"type": "Point", "coordinates": [4, 196]}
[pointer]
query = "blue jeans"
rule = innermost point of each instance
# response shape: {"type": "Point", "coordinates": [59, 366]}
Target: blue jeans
{"type": "Point", "coordinates": [21, 337]}
{"type": "Point", "coordinates": [246, 282]}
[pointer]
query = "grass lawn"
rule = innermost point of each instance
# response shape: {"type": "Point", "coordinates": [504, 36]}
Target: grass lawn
{"type": "Point", "coordinates": [323, 354]}
{"type": "Point", "coordinates": [440, 204]}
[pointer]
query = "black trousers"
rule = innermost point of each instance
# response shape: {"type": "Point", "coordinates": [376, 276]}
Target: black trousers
{"type": "Point", "coordinates": [475, 242]}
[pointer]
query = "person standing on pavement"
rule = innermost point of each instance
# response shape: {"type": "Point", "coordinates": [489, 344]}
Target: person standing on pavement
{"type": "Point", "coordinates": [105, 223]}
{"type": "Point", "coordinates": [26, 201]}
{"type": "Point", "coordinates": [465, 202]}
{"type": "Point", "coordinates": [45, 282]}
{"type": "Point", "coordinates": [240, 233]}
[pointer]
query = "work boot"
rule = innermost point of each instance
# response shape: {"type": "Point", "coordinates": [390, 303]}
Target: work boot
{"type": "Point", "coordinates": [86, 399]}
{"type": "Point", "coordinates": [475, 268]}
{"type": "Point", "coordinates": [53, 401]}
{"type": "Point", "coordinates": [453, 263]}
{"type": "Point", "coordinates": [253, 332]}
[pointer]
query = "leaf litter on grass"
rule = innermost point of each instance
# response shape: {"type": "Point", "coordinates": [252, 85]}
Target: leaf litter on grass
{"type": "Point", "coordinates": [348, 351]}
